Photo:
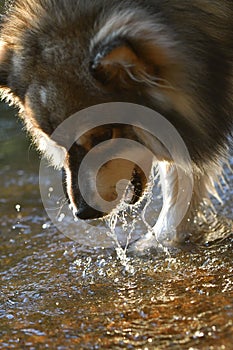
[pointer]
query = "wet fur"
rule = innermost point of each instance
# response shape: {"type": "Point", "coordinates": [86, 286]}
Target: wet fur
{"type": "Point", "coordinates": [173, 56]}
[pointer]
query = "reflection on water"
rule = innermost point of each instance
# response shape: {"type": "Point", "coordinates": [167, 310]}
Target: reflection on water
{"type": "Point", "coordinates": [58, 294]}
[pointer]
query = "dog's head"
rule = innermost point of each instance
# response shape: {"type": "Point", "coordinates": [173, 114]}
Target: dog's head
{"type": "Point", "coordinates": [57, 58]}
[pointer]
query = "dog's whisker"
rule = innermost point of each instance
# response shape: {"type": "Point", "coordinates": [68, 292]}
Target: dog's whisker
{"type": "Point", "coordinates": [145, 78]}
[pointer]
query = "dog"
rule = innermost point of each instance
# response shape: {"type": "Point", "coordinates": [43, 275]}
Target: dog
{"type": "Point", "coordinates": [174, 57]}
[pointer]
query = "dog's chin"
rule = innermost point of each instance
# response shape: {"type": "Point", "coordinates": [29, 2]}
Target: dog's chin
{"type": "Point", "coordinates": [85, 212]}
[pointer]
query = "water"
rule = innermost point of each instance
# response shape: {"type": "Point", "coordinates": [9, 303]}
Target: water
{"type": "Point", "coordinates": [57, 293]}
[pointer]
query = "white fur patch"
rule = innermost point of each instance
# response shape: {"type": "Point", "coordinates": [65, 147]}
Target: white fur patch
{"type": "Point", "coordinates": [17, 63]}
{"type": "Point", "coordinates": [43, 95]}
{"type": "Point", "coordinates": [52, 151]}
{"type": "Point", "coordinates": [72, 205]}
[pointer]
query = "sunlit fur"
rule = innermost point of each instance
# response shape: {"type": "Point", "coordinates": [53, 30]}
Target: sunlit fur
{"type": "Point", "coordinates": [176, 57]}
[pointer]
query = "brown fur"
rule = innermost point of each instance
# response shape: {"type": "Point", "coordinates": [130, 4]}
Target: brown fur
{"type": "Point", "coordinates": [176, 57]}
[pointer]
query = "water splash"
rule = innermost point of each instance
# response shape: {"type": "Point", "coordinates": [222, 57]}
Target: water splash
{"type": "Point", "coordinates": [132, 219]}
{"type": "Point", "coordinates": [112, 222]}
{"type": "Point", "coordinates": [207, 227]}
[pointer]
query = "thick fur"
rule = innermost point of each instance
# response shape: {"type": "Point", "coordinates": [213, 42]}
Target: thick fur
{"type": "Point", "coordinates": [175, 56]}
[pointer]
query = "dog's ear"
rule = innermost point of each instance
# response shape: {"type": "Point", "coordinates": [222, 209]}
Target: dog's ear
{"type": "Point", "coordinates": [5, 61]}
{"type": "Point", "coordinates": [119, 61]}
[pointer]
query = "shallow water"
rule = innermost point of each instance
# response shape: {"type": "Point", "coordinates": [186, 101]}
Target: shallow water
{"type": "Point", "coordinates": [57, 293]}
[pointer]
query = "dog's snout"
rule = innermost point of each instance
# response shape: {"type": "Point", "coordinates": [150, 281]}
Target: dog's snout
{"type": "Point", "coordinates": [85, 212]}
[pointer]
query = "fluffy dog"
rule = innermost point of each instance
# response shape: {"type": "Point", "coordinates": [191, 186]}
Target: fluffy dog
{"type": "Point", "coordinates": [58, 57]}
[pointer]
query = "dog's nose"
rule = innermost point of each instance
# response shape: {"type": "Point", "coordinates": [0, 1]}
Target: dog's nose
{"type": "Point", "coordinates": [85, 212]}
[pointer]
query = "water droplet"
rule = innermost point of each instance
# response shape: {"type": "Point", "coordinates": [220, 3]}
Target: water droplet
{"type": "Point", "coordinates": [45, 226]}
{"type": "Point", "coordinates": [9, 317]}
{"type": "Point", "coordinates": [61, 217]}
{"type": "Point", "coordinates": [18, 208]}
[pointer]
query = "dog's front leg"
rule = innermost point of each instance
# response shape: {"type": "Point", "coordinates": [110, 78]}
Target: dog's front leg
{"type": "Point", "coordinates": [177, 190]}
{"type": "Point", "coordinates": [187, 210]}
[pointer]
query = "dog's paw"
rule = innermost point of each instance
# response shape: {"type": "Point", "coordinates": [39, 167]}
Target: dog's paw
{"type": "Point", "coordinates": [156, 245]}
{"type": "Point", "coordinates": [149, 244]}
